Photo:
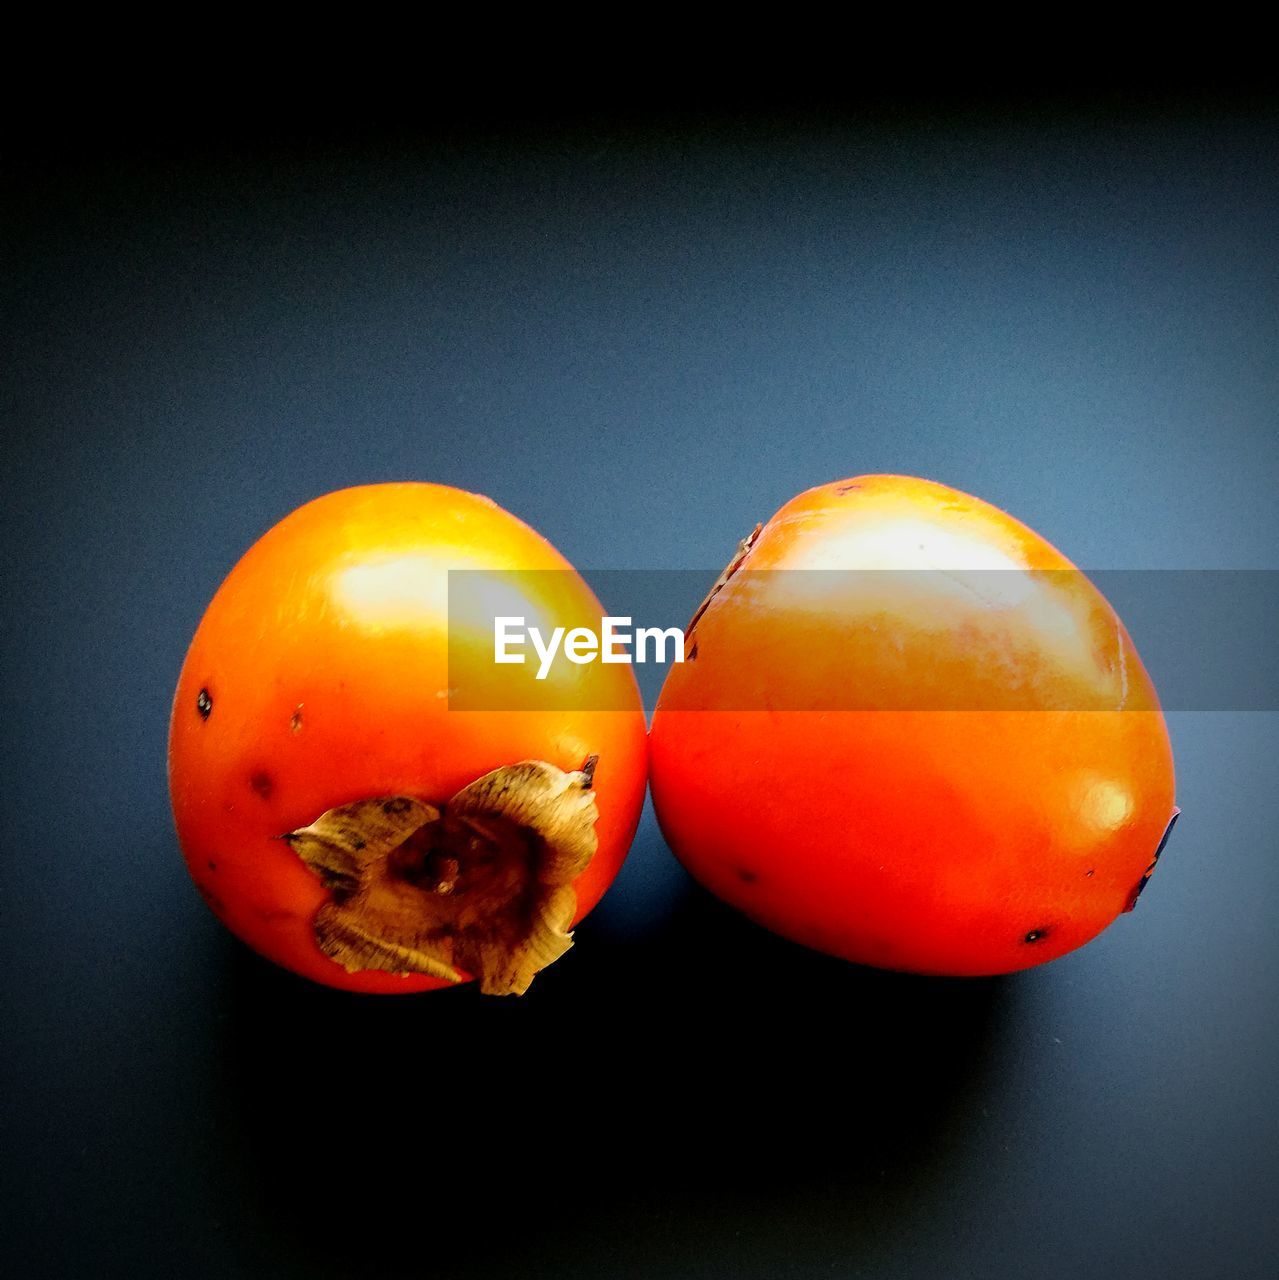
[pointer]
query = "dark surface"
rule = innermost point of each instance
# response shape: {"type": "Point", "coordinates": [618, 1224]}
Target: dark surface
{"type": "Point", "coordinates": [641, 341]}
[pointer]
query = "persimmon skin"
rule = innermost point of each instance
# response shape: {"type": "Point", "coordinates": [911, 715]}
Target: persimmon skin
{"type": "Point", "coordinates": [324, 658]}
{"type": "Point", "coordinates": [975, 839]}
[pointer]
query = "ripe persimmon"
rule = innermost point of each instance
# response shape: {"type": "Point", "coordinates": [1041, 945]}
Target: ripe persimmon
{"type": "Point", "coordinates": [911, 733]}
{"type": "Point", "coordinates": [336, 812]}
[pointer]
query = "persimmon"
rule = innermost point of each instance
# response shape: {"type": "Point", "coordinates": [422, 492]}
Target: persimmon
{"type": "Point", "coordinates": [912, 734]}
{"type": "Point", "coordinates": [337, 812]}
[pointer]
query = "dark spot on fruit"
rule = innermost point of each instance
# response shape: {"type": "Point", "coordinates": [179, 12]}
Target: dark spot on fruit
{"type": "Point", "coordinates": [1090, 872]}
{"type": "Point", "coordinates": [746, 876]}
{"type": "Point", "coordinates": [1037, 935]}
{"type": "Point", "coordinates": [846, 488]}
{"type": "Point", "coordinates": [203, 704]}
{"type": "Point", "coordinates": [295, 720]}
{"type": "Point", "coordinates": [215, 903]}
{"type": "Point", "coordinates": [1150, 870]}
{"type": "Point", "coordinates": [262, 784]}
{"type": "Point", "coordinates": [213, 866]}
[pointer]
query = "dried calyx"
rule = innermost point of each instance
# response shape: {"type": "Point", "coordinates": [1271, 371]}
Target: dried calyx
{"type": "Point", "coordinates": [481, 885]}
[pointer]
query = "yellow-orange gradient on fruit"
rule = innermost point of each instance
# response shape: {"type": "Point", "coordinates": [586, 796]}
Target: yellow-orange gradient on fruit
{"type": "Point", "coordinates": [912, 734]}
{"type": "Point", "coordinates": [319, 677]}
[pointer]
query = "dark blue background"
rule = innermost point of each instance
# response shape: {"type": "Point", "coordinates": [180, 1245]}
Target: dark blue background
{"type": "Point", "coordinates": [641, 338]}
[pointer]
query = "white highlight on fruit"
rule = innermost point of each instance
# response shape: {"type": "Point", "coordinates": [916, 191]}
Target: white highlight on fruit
{"type": "Point", "coordinates": [1106, 805]}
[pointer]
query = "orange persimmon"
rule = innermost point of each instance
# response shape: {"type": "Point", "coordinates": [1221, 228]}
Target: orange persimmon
{"type": "Point", "coordinates": [336, 812]}
{"type": "Point", "coordinates": [911, 733]}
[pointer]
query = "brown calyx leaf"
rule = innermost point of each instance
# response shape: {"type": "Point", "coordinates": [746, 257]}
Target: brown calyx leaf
{"type": "Point", "coordinates": [481, 885]}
